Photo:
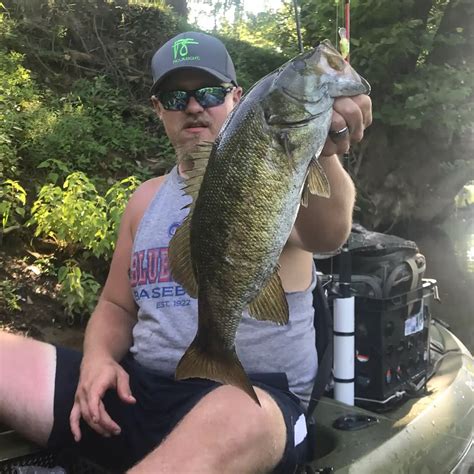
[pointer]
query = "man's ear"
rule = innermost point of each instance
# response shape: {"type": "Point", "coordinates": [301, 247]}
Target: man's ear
{"type": "Point", "coordinates": [237, 95]}
{"type": "Point", "coordinates": [157, 106]}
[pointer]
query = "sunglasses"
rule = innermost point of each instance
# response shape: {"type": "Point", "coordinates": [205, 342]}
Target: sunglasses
{"type": "Point", "coordinates": [206, 97]}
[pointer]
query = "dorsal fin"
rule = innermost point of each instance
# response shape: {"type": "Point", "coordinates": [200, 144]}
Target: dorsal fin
{"type": "Point", "coordinates": [179, 252]}
{"type": "Point", "coordinates": [271, 304]}
{"type": "Point", "coordinates": [200, 158]}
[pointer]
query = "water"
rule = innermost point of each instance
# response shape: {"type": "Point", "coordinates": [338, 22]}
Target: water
{"type": "Point", "coordinates": [449, 252]}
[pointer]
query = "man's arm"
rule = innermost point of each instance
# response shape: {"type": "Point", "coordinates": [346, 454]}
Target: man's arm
{"type": "Point", "coordinates": [108, 335]}
{"type": "Point", "coordinates": [325, 224]}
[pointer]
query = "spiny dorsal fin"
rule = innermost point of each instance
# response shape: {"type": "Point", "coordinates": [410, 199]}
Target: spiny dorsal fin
{"type": "Point", "coordinates": [179, 252]}
{"type": "Point", "coordinates": [317, 180]}
{"type": "Point", "coordinates": [200, 158]}
{"type": "Point", "coordinates": [271, 303]}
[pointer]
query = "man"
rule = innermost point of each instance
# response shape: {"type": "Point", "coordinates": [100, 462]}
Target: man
{"type": "Point", "coordinates": [119, 401]}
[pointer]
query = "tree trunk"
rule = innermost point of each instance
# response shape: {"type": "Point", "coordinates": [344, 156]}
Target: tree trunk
{"type": "Point", "coordinates": [414, 175]}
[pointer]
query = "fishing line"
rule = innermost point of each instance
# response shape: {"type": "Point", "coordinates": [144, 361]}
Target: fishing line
{"type": "Point", "coordinates": [298, 26]}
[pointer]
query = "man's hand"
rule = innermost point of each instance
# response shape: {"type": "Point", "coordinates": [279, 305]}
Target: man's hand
{"type": "Point", "coordinates": [351, 116]}
{"type": "Point", "coordinates": [97, 376]}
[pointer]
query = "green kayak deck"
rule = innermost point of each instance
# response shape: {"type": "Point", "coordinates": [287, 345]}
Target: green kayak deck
{"type": "Point", "coordinates": [430, 434]}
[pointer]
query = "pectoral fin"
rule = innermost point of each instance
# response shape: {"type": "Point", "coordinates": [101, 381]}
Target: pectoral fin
{"type": "Point", "coordinates": [271, 303]}
{"type": "Point", "coordinates": [316, 183]}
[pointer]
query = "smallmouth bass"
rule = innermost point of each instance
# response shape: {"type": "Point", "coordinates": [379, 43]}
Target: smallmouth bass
{"type": "Point", "coordinates": [247, 188]}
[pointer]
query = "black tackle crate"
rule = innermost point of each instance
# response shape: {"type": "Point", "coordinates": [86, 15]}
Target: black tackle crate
{"type": "Point", "coordinates": [392, 311]}
{"type": "Point", "coordinates": [392, 342]}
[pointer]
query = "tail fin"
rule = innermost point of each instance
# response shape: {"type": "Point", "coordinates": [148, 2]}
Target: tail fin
{"type": "Point", "coordinates": [224, 367]}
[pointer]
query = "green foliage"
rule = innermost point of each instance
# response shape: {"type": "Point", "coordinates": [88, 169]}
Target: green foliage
{"type": "Point", "coordinates": [396, 46]}
{"type": "Point", "coordinates": [18, 96]}
{"type": "Point", "coordinates": [76, 217]}
{"type": "Point", "coordinates": [432, 91]}
{"type": "Point", "coordinates": [12, 203]}
{"type": "Point", "coordinates": [67, 40]}
{"type": "Point", "coordinates": [92, 127]}
{"type": "Point", "coordinates": [251, 63]}
{"type": "Point", "coordinates": [116, 199]}
{"type": "Point", "coordinates": [71, 127]}
{"type": "Point", "coordinates": [79, 290]}
{"type": "Point", "coordinates": [275, 31]}
{"type": "Point", "coordinates": [9, 298]}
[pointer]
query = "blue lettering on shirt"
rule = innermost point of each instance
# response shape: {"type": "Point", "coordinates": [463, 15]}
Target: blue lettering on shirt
{"type": "Point", "coordinates": [144, 294]}
{"type": "Point", "coordinates": [167, 291]}
{"type": "Point", "coordinates": [159, 292]}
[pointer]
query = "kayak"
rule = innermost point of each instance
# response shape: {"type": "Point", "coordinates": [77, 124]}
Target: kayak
{"type": "Point", "coordinates": [432, 433]}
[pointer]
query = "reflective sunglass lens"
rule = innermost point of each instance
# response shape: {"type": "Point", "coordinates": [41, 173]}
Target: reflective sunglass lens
{"type": "Point", "coordinates": [210, 96]}
{"type": "Point", "coordinates": [206, 96]}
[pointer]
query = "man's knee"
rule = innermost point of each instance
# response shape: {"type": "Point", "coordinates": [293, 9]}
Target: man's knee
{"type": "Point", "coordinates": [27, 369]}
{"type": "Point", "coordinates": [243, 427]}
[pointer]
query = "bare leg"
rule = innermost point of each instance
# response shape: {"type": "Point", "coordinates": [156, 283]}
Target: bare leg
{"type": "Point", "coordinates": [225, 432]}
{"type": "Point", "coordinates": [27, 374]}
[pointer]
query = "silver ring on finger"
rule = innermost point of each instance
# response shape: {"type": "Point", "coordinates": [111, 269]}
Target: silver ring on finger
{"type": "Point", "coordinates": [335, 135]}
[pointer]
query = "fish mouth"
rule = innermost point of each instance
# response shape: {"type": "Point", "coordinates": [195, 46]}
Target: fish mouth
{"type": "Point", "coordinates": [297, 123]}
{"type": "Point", "coordinates": [301, 98]}
{"type": "Point", "coordinates": [303, 122]}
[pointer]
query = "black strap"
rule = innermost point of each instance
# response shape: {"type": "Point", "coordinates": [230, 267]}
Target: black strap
{"type": "Point", "coordinates": [324, 344]}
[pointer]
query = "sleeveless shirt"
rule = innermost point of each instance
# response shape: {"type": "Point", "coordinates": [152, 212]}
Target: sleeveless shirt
{"type": "Point", "coordinates": [167, 315]}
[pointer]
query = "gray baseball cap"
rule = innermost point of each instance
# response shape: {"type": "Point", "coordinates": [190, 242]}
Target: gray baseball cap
{"type": "Point", "coordinates": [192, 50]}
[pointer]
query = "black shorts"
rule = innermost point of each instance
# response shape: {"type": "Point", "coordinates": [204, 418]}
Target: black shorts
{"type": "Point", "coordinates": [161, 403]}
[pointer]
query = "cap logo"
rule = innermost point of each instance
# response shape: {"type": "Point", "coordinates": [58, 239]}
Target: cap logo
{"type": "Point", "coordinates": [180, 50]}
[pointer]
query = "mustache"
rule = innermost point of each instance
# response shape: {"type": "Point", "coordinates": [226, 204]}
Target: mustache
{"type": "Point", "coordinates": [196, 122]}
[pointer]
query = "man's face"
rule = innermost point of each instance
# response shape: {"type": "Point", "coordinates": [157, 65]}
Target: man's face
{"type": "Point", "coordinates": [194, 124]}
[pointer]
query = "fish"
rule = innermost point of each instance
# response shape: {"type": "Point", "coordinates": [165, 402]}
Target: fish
{"type": "Point", "coordinates": [246, 191]}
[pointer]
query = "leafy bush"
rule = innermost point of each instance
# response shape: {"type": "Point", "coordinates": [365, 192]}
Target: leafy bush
{"type": "Point", "coordinates": [79, 290]}
{"type": "Point", "coordinates": [17, 97]}
{"type": "Point", "coordinates": [9, 298]}
{"type": "Point", "coordinates": [12, 203]}
{"type": "Point", "coordinates": [91, 128]}
{"type": "Point", "coordinates": [76, 217]}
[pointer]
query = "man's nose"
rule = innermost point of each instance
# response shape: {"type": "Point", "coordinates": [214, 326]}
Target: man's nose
{"type": "Point", "coordinates": [194, 106]}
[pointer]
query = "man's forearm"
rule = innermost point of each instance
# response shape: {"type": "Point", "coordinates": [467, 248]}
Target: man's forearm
{"type": "Point", "coordinates": [325, 224]}
{"type": "Point", "coordinates": [109, 332]}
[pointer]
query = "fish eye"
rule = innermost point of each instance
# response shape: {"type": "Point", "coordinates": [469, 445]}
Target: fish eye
{"type": "Point", "coordinates": [299, 64]}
